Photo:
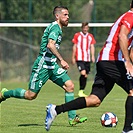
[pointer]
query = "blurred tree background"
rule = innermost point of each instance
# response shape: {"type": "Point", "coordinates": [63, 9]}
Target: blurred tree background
{"type": "Point", "coordinates": [19, 46]}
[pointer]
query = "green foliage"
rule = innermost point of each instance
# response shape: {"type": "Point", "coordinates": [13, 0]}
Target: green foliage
{"type": "Point", "coordinates": [41, 11]}
{"type": "Point", "coordinates": [22, 116]}
{"type": "Point", "coordinates": [108, 10]}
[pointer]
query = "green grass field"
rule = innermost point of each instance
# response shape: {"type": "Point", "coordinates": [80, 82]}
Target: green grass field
{"type": "Point", "coordinates": [21, 116]}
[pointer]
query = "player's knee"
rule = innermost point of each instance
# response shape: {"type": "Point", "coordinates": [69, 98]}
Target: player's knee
{"type": "Point", "coordinates": [71, 87]}
{"type": "Point", "coordinates": [96, 102]}
{"type": "Point", "coordinates": [131, 93]}
{"type": "Point", "coordinates": [30, 95]}
{"type": "Point", "coordinates": [68, 86]}
{"type": "Point", "coordinates": [83, 72]}
{"type": "Point", "coordinates": [93, 101]}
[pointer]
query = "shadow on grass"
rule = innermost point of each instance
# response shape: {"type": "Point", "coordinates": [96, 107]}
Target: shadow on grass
{"type": "Point", "coordinates": [26, 125]}
{"type": "Point", "coordinates": [37, 125]}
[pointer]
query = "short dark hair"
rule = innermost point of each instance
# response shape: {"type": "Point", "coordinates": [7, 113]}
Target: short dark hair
{"type": "Point", "coordinates": [132, 4]}
{"type": "Point", "coordinates": [84, 24]}
{"type": "Point", "coordinates": [58, 9]}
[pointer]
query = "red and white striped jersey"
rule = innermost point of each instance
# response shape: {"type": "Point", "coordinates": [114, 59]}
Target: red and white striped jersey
{"type": "Point", "coordinates": [111, 49]}
{"type": "Point", "coordinates": [83, 43]}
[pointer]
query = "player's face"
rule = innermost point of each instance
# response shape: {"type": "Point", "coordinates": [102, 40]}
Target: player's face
{"type": "Point", "coordinates": [64, 17]}
{"type": "Point", "coordinates": [85, 29]}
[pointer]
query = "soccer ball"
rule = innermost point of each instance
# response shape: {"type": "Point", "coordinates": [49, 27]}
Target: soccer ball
{"type": "Point", "coordinates": [109, 119]}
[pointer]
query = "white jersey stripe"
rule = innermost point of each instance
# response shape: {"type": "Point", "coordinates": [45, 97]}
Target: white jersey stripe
{"type": "Point", "coordinates": [111, 49]}
{"type": "Point", "coordinates": [40, 64]}
{"type": "Point", "coordinates": [83, 43]}
{"type": "Point", "coordinates": [109, 44]}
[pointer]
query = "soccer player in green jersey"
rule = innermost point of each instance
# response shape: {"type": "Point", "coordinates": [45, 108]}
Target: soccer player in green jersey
{"type": "Point", "coordinates": [45, 66]}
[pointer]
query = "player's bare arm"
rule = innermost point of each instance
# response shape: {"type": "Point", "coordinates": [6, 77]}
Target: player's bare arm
{"type": "Point", "coordinates": [51, 46]}
{"type": "Point", "coordinates": [92, 53]}
{"type": "Point", "coordinates": [123, 42]}
{"type": "Point", "coordinates": [74, 54]}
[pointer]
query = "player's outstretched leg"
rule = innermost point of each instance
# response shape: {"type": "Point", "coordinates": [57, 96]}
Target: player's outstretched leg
{"type": "Point", "coordinates": [50, 116]}
{"type": "Point", "coordinates": [16, 93]}
{"type": "Point", "coordinates": [2, 98]}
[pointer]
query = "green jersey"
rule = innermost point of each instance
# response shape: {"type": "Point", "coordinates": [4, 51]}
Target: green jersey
{"type": "Point", "coordinates": [54, 32]}
{"type": "Point", "coordinates": [45, 66]}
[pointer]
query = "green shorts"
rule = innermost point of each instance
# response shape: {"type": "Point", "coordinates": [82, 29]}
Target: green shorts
{"type": "Point", "coordinates": [38, 78]}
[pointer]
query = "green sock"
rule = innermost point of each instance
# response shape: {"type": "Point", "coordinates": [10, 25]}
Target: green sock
{"type": "Point", "coordinates": [69, 96]}
{"type": "Point", "coordinates": [17, 93]}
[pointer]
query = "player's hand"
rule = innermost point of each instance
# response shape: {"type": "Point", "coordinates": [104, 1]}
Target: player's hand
{"type": "Point", "coordinates": [64, 65]}
{"type": "Point", "coordinates": [129, 67]}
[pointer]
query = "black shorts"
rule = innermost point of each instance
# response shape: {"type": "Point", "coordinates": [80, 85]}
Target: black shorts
{"type": "Point", "coordinates": [83, 65]}
{"type": "Point", "coordinates": [109, 73]}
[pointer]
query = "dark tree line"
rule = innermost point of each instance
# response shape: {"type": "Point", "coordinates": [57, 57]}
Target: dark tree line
{"type": "Point", "coordinates": [41, 11]}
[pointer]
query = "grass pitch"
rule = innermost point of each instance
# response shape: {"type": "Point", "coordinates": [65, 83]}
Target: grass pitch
{"type": "Point", "coordinates": [22, 116]}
